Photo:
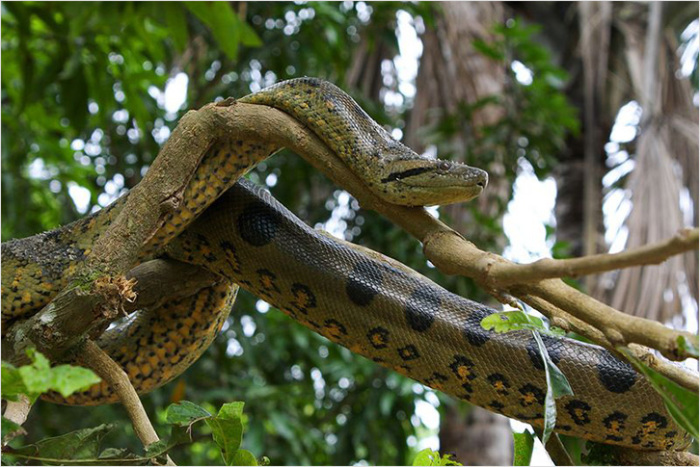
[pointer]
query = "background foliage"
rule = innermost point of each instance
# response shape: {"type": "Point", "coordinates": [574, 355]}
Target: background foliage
{"type": "Point", "coordinates": [84, 113]}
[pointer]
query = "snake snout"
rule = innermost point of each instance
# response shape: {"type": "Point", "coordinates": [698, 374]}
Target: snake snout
{"type": "Point", "coordinates": [482, 178]}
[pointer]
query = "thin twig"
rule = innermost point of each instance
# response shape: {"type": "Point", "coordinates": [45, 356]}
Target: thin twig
{"type": "Point", "coordinates": [547, 268]}
{"type": "Point", "coordinates": [93, 357]}
{"type": "Point", "coordinates": [668, 369]}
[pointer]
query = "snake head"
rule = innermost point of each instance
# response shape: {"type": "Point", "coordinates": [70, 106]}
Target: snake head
{"type": "Point", "coordinates": [425, 181]}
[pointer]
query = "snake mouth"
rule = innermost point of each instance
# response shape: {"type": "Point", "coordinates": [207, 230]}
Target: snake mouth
{"type": "Point", "coordinates": [434, 183]}
{"type": "Point", "coordinates": [451, 176]}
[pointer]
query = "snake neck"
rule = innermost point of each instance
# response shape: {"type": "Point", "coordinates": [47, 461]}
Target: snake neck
{"type": "Point", "coordinates": [388, 168]}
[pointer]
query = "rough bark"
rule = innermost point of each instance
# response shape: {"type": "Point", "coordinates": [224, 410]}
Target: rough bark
{"type": "Point", "coordinates": [452, 72]}
{"type": "Point", "coordinates": [477, 438]}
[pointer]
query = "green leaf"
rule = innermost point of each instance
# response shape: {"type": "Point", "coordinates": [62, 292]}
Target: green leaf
{"type": "Point", "coordinates": [244, 457]}
{"type": "Point", "coordinates": [523, 444]}
{"type": "Point", "coordinates": [176, 21]}
{"type": "Point", "coordinates": [492, 51]}
{"type": "Point", "coordinates": [12, 384]}
{"type": "Point", "coordinates": [430, 457]}
{"type": "Point", "coordinates": [223, 22]}
{"type": "Point", "coordinates": [38, 377]}
{"type": "Point", "coordinates": [8, 426]}
{"type": "Point", "coordinates": [688, 346]}
{"type": "Point", "coordinates": [79, 444]}
{"type": "Point", "coordinates": [231, 411]}
{"type": "Point", "coordinates": [67, 379]}
{"type": "Point", "coordinates": [557, 386]}
{"type": "Point", "coordinates": [512, 321]}
{"type": "Point", "coordinates": [226, 427]}
{"type": "Point", "coordinates": [517, 320]}
{"type": "Point", "coordinates": [227, 430]}
{"type": "Point", "coordinates": [248, 35]}
{"type": "Point", "coordinates": [681, 403]}
{"type": "Point", "coordinates": [185, 413]}
{"type": "Point", "coordinates": [178, 435]}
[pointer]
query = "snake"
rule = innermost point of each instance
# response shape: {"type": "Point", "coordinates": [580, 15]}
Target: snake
{"type": "Point", "coordinates": [362, 300]}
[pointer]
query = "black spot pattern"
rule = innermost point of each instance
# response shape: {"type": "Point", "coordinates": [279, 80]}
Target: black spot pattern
{"type": "Point", "coordinates": [531, 394]}
{"type": "Point", "coordinates": [408, 353]}
{"type": "Point", "coordinates": [615, 425]}
{"type": "Point", "coordinates": [421, 308]}
{"type": "Point", "coordinates": [463, 368]}
{"type": "Point", "coordinates": [436, 380]}
{"type": "Point", "coordinates": [615, 375]}
{"type": "Point", "coordinates": [304, 298]}
{"type": "Point", "coordinates": [669, 443]}
{"type": "Point", "coordinates": [232, 259]}
{"type": "Point", "coordinates": [524, 416]}
{"type": "Point", "coordinates": [474, 333]}
{"type": "Point", "coordinates": [499, 383]}
{"type": "Point", "coordinates": [335, 328]}
{"type": "Point", "coordinates": [267, 280]}
{"type": "Point", "coordinates": [653, 422]}
{"type": "Point", "coordinates": [496, 406]}
{"type": "Point", "coordinates": [258, 225]}
{"type": "Point", "coordinates": [378, 337]}
{"type": "Point", "coordinates": [579, 411]}
{"type": "Point", "coordinates": [364, 283]}
{"type": "Point", "coordinates": [553, 347]}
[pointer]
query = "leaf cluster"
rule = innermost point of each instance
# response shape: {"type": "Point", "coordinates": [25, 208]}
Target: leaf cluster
{"type": "Point", "coordinates": [85, 446]}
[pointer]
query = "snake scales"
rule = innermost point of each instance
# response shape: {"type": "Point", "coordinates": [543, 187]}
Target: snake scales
{"type": "Point", "coordinates": [368, 303]}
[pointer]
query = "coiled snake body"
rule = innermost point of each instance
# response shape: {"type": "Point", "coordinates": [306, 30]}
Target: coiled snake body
{"type": "Point", "coordinates": [365, 302]}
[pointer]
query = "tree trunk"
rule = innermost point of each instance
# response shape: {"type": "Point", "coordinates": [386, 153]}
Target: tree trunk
{"type": "Point", "coordinates": [451, 73]}
{"type": "Point", "coordinates": [477, 438]}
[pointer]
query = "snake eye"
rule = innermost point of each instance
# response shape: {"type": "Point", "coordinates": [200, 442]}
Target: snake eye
{"type": "Point", "coordinates": [444, 165]}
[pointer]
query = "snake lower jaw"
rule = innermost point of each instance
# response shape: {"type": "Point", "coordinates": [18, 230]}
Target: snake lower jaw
{"type": "Point", "coordinates": [434, 195]}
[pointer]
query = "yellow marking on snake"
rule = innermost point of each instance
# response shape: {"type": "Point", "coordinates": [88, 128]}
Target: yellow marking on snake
{"type": "Point", "coordinates": [361, 300]}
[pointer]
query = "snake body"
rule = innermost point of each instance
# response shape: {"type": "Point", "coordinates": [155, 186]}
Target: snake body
{"type": "Point", "coordinates": [368, 303]}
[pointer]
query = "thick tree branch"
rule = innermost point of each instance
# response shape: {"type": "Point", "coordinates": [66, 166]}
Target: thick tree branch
{"type": "Point", "coordinates": [156, 281]}
{"type": "Point", "coordinates": [100, 291]}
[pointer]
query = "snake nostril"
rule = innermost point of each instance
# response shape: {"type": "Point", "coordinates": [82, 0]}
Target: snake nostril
{"type": "Point", "coordinates": [481, 184]}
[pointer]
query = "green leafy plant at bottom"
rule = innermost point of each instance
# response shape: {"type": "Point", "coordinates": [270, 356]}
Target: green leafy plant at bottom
{"type": "Point", "coordinates": [430, 457]}
{"type": "Point", "coordinates": [37, 378]}
{"type": "Point", "coordinates": [84, 447]}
